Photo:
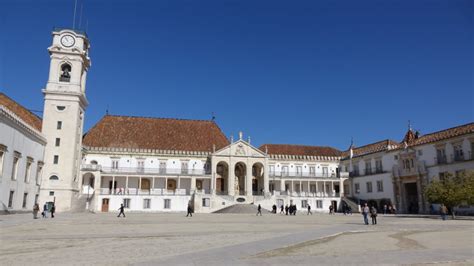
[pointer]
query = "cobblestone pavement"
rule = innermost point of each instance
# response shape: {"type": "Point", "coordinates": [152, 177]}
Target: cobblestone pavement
{"type": "Point", "coordinates": [232, 239]}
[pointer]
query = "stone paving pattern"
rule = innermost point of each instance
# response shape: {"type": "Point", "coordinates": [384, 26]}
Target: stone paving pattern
{"type": "Point", "coordinates": [232, 239]}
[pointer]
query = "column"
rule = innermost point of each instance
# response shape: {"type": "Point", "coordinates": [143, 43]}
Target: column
{"type": "Point", "coordinates": [179, 185]}
{"type": "Point", "coordinates": [126, 185]}
{"type": "Point", "coordinates": [231, 180]}
{"type": "Point", "coordinates": [341, 188]}
{"type": "Point", "coordinates": [332, 189]}
{"type": "Point", "coordinates": [418, 190]}
{"type": "Point", "coordinates": [213, 183]}
{"type": "Point", "coordinates": [309, 187]}
{"type": "Point", "coordinates": [193, 185]}
{"type": "Point", "coordinates": [113, 186]}
{"type": "Point", "coordinates": [266, 178]}
{"type": "Point", "coordinates": [282, 185]}
{"type": "Point", "coordinates": [248, 183]}
{"type": "Point", "coordinates": [324, 188]}
{"type": "Point", "coordinates": [292, 187]}
{"type": "Point", "coordinates": [301, 187]}
{"type": "Point", "coordinates": [152, 185]}
{"type": "Point", "coordinates": [166, 184]}
{"type": "Point", "coordinates": [139, 185]}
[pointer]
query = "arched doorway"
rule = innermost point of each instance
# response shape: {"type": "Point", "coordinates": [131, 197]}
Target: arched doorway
{"type": "Point", "coordinates": [88, 181]}
{"type": "Point", "coordinates": [257, 179]}
{"type": "Point", "coordinates": [240, 171]}
{"type": "Point", "coordinates": [222, 177]}
{"type": "Point", "coordinates": [171, 184]}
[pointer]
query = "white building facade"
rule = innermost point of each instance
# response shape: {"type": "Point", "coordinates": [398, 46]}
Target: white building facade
{"type": "Point", "coordinates": [21, 157]}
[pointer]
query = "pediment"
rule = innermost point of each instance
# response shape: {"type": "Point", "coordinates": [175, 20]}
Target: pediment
{"type": "Point", "coordinates": [240, 148]}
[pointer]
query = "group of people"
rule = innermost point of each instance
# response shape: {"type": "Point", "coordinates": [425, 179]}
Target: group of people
{"type": "Point", "coordinates": [46, 209]}
{"type": "Point", "coordinates": [372, 211]}
{"type": "Point", "coordinates": [389, 209]}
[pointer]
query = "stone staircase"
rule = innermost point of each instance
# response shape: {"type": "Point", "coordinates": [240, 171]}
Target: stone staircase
{"type": "Point", "coordinates": [241, 208]}
{"type": "Point", "coordinates": [351, 202]}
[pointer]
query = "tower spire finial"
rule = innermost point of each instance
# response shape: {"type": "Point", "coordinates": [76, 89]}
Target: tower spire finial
{"type": "Point", "coordinates": [409, 124]}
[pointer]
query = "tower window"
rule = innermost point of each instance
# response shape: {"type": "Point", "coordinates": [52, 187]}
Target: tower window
{"type": "Point", "coordinates": [54, 177]}
{"type": "Point", "coordinates": [65, 73]}
{"type": "Point", "coordinates": [56, 159]}
{"type": "Point", "coordinates": [59, 125]}
{"type": "Point", "coordinates": [61, 108]}
{"type": "Point", "coordinates": [58, 142]}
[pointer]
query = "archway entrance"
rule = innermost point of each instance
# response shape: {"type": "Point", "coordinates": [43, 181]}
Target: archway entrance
{"type": "Point", "coordinates": [257, 179]}
{"type": "Point", "coordinates": [411, 197]}
{"type": "Point", "coordinates": [145, 185]}
{"type": "Point", "coordinates": [222, 178]}
{"type": "Point", "coordinates": [171, 184]}
{"type": "Point", "coordinates": [240, 174]}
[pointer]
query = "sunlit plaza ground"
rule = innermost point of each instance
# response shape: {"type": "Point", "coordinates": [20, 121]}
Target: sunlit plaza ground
{"type": "Point", "coordinates": [232, 239]}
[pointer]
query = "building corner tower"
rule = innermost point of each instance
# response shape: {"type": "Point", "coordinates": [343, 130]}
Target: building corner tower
{"type": "Point", "coordinates": [63, 117]}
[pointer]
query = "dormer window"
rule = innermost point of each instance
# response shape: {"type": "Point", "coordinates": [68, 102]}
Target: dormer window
{"type": "Point", "coordinates": [65, 73]}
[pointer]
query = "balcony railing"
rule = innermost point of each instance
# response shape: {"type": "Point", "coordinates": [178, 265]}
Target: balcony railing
{"type": "Point", "coordinates": [302, 175]}
{"type": "Point", "coordinates": [145, 170]}
{"type": "Point", "coordinates": [152, 191]}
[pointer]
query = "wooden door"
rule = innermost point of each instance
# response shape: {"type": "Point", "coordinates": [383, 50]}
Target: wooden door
{"type": "Point", "coordinates": [219, 184]}
{"type": "Point", "coordinates": [145, 184]}
{"type": "Point", "coordinates": [105, 205]}
{"type": "Point", "coordinates": [171, 184]}
{"type": "Point", "coordinates": [199, 184]}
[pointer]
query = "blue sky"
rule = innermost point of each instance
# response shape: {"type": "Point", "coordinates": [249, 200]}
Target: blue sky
{"type": "Point", "coordinates": [298, 72]}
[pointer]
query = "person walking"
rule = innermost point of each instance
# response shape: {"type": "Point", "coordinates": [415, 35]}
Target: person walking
{"type": "Point", "coordinates": [365, 213]}
{"type": "Point", "coordinates": [190, 210]}
{"type": "Point", "coordinates": [384, 209]}
{"type": "Point", "coordinates": [121, 211]}
{"type": "Point", "coordinates": [259, 210]}
{"type": "Point", "coordinates": [309, 210]}
{"type": "Point", "coordinates": [331, 208]}
{"type": "Point", "coordinates": [36, 209]}
{"type": "Point", "coordinates": [373, 215]}
{"type": "Point", "coordinates": [443, 210]}
{"type": "Point", "coordinates": [282, 209]}
{"type": "Point", "coordinates": [45, 210]}
{"type": "Point", "coordinates": [53, 210]}
{"type": "Point", "coordinates": [287, 209]}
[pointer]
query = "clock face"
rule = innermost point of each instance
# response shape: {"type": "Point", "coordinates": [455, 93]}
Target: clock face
{"type": "Point", "coordinates": [67, 41]}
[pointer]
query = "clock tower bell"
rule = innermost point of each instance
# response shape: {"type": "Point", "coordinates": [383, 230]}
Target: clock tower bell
{"type": "Point", "coordinates": [63, 117]}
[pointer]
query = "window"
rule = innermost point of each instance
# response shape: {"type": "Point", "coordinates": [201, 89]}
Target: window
{"type": "Point", "coordinates": [59, 125]}
{"type": "Point", "coordinates": [368, 168]}
{"type": "Point", "coordinates": [16, 159]}
{"type": "Point", "coordinates": [395, 157]}
{"type": "Point", "coordinates": [312, 170]}
{"type": "Point", "coordinates": [39, 168]}
{"type": "Point", "coordinates": [65, 73]}
{"type": "Point", "coordinates": [115, 164]}
{"type": "Point", "coordinates": [304, 204]}
{"type": "Point", "coordinates": [141, 165]}
{"type": "Point", "coordinates": [357, 188]}
{"type": "Point", "coordinates": [284, 171]}
{"type": "Point", "coordinates": [10, 199]}
{"type": "Point", "coordinates": [206, 202]}
{"type": "Point", "coordinates": [25, 198]}
{"type": "Point", "coordinates": [325, 171]}
{"type": "Point", "coordinates": [126, 203]}
{"type": "Point", "coordinates": [458, 152]}
{"type": "Point", "coordinates": [60, 108]}
{"type": "Point", "coordinates": [58, 141]}
{"type": "Point", "coordinates": [56, 159]}
{"type": "Point", "coordinates": [369, 187]}
{"type": "Point", "coordinates": [54, 177]}
{"type": "Point", "coordinates": [51, 193]}
{"type": "Point", "coordinates": [162, 167]}
{"type": "Point", "coordinates": [378, 166]}
{"type": "Point", "coordinates": [420, 152]}
{"type": "Point", "coordinates": [299, 170]}
{"type": "Point", "coordinates": [146, 203]}
{"type": "Point", "coordinates": [184, 167]}
{"type": "Point", "coordinates": [2, 155]}
{"type": "Point", "coordinates": [29, 162]}
{"type": "Point", "coordinates": [355, 171]}
{"type": "Point", "coordinates": [441, 156]}
{"type": "Point", "coordinates": [319, 204]}
{"type": "Point", "coordinates": [272, 170]}
{"type": "Point", "coordinates": [167, 204]}
{"type": "Point", "coordinates": [380, 186]}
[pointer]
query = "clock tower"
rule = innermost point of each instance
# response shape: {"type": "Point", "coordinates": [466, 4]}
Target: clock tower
{"type": "Point", "coordinates": [63, 117]}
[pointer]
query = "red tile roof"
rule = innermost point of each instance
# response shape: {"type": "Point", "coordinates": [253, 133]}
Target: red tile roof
{"type": "Point", "coordinates": [443, 134]}
{"type": "Point", "coordinates": [300, 150]}
{"type": "Point", "coordinates": [155, 133]}
{"type": "Point", "coordinates": [23, 113]}
{"type": "Point", "coordinates": [379, 146]}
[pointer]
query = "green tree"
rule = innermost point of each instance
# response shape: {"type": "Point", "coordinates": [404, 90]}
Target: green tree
{"type": "Point", "coordinates": [452, 191]}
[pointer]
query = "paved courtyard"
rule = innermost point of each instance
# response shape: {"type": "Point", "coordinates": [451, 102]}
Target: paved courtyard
{"type": "Point", "coordinates": [232, 239]}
